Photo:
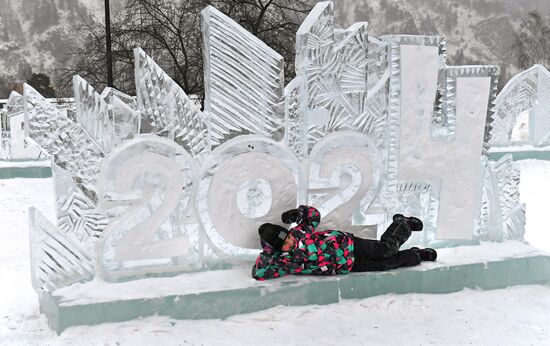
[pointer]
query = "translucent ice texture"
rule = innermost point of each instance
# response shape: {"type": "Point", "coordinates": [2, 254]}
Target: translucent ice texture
{"type": "Point", "coordinates": [247, 181]}
{"type": "Point", "coordinates": [368, 128]}
{"type": "Point", "coordinates": [527, 91]}
{"type": "Point", "coordinates": [502, 214]}
{"type": "Point", "coordinates": [451, 167]}
{"type": "Point", "coordinates": [56, 260]}
{"type": "Point", "coordinates": [336, 67]}
{"type": "Point", "coordinates": [146, 185]}
{"type": "Point", "coordinates": [165, 108]}
{"type": "Point", "coordinates": [68, 143]}
{"type": "Point", "coordinates": [106, 118]}
{"type": "Point", "coordinates": [13, 142]}
{"type": "Point", "coordinates": [344, 179]}
{"type": "Point", "coordinates": [244, 80]}
{"type": "Point", "coordinates": [77, 215]}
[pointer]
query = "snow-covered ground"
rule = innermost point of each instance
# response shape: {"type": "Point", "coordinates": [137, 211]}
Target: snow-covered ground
{"type": "Point", "coordinates": [513, 316]}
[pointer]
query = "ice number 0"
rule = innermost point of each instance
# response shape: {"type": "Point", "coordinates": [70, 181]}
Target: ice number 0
{"type": "Point", "coordinates": [344, 179]}
{"type": "Point", "coordinates": [247, 181]}
{"type": "Point", "coordinates": [147, 185]}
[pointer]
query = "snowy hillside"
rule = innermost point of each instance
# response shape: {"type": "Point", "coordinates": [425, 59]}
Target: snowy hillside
{"type": "Point", "coordinates": [477, 31]}
{"type": "Point", "coordinates": [38, 34]}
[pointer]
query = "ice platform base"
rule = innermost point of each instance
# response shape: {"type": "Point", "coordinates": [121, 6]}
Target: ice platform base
{"type": "Point", "coordinates": [219, 294]}
{"type": "Point", "coordinates": [25, 169]}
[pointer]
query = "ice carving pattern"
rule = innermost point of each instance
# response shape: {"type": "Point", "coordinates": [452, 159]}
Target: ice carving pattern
{"type": "Point", "coordinates": [344, 178]}
{"type": "Point", "coordinates": [165, 108]}
{"type": "Point", "coordinates": [360, 120]}
{"type": "Point", "coordinates": [264, 171]}
{"type": "Point", "coordinates": [13, 143]}
{"type": "Point", "coordinates": [92, 114]}
{"type": "Point", "coordinates": [56, 261]}
{"type": "Point", "coordinates": [502, 215]}
{"type": "Point", "coordinates": [146, 185]}
{"type": "Point", "coordinates": [77, 215]}
{"type": "Point", "coordinates": [4, 145]}
{"type": "Point", "coordinates": [296, 132]}
{"type": "Point", "coordinates": [336, 71]}
{"type": "Point", "coordinates": [106, 118]}
{"type": "Point", "coordinates": [527, 91]}
{"type": "Point", "coordinates": [68, 143]}
{"type": "Point", "coordinates": [244, 80]}
{"type": "Point", "coordinates": [411, 142]}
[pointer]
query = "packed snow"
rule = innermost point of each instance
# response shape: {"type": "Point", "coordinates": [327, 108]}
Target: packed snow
{"type": "Point", "coordinates": [513, 316]}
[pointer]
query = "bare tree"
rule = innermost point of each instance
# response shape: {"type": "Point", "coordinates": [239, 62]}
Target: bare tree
{"type": "Point", "coordinates": [170, 32]}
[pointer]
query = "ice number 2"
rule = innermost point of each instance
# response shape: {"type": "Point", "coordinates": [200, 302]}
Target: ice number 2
{"type": "Point", "coordinates": [247, 181]}
{"type": "Point", "coordinates": [147, 185]}
{"type": "Point", "coordinates": [344, 178]}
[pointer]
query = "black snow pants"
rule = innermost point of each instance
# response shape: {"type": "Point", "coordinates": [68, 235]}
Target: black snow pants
{"type": "Point", "coordinates": [384, 254]}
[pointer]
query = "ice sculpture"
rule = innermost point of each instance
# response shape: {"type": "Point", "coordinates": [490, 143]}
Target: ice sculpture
{"type": "Point", "coordinates": [65, 140]}
{"type": "Point", "coordinates": [4, 139]}
{"type": "Point", "coordinates": [502, 214]}
{"type": "Point", "coordinates": [244, 80]}
{"type": "Point", "coordinates": [368, 128]}
{"type": "Point", "coordinates": [106, 118]}
{"type": "Point", "coordinates": [528, 91]}
{"type": "Point", "coordinates": [242, 184]}
{"type": "Point", "coordinates": [344, 179]}
{"type": "Point", "coordinates": [146, 184]}
{"type": "Point", "coordinates": [420, 156]}
{"type": "Point", "coordinates": [15, 146]}
{"type": "Point", "coordinates": [56, 261]}
{"type": "Point", "coordinates": [166, 109]}
{"type": "Point", "coordinates": [344, 86]}
{"type": "Point", "coordinates": [77, 215]}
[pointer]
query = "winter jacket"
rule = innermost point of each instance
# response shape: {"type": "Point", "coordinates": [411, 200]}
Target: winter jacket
{"type": "Point", "coordinates": [321, 253]}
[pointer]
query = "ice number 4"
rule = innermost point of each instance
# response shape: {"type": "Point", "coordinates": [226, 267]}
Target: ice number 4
{"type": "Point", "coordinates": [246, 181]}
{"type": "Point", "coordinates": [147, 185]}
{"type": "Point", "coordinates": [344, 179]}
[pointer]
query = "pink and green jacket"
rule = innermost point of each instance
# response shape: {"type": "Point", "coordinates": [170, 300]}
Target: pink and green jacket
{"type": "Point", "coordinates": [320, 253]}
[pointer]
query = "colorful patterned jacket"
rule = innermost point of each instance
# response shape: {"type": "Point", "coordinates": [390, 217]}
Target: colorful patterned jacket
{"type": "Point", "coordinates": [320, 253]}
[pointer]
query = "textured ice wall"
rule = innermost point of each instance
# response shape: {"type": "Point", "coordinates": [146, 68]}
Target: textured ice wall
{"type": "Point", "coordinates": [368, 128]}
{"type": "Point", "coordinates": [244, 81]}
{"type": "Point", "coordinates": [528, 91]}
{"type": "Point", "coordinates": [453, 165]}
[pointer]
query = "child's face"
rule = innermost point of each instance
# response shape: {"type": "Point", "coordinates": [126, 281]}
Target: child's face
{"type": "Point", "coordinates": [289, 243]}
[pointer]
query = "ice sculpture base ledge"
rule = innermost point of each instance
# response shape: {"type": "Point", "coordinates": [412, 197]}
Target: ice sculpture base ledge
{"type": "Point", "coordinates": [219, 294]}
{"type": "Point", "coordinates": [520, 152]}
{"type": "Point", "coordinates": [25, 169]}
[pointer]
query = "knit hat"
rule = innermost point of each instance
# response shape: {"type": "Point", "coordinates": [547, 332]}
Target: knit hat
{"type": "Point", "coordinates": [274, 235]}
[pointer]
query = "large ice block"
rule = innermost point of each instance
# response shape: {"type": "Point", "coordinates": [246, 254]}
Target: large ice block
{"type": "Point", "coordinates": [247, 181]}
{"type": "Point", "coordinates": [244, 80]}
{"type": "Point", "coordinates": [528, 91]}
{"type": "Point", "coordinates": [345, 86]}
{"type": "Point", "coordinates": [92, 114]}
{"type": "Point", "coordinates": [56, 261]}
{"type": "Point", "coordinates": [451, 166]}
{"type": "Point", "coordinates": [502, 215]}
{"type": "Point", "coordinates": [146, 187]}
{"type": "Point", "coordinates": [68, 143]}
{"type": "Point", "coordinates": [345, 176]}
{"type": "Point", "coordinates": [165, 108]}
{"type": "Point", "coordinates": [77, 215]}
{"type": "Point", "coordinates": [106, 118]}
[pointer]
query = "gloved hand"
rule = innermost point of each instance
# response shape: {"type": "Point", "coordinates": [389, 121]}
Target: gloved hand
{"type": "Point", "coordinates": [290, 216]}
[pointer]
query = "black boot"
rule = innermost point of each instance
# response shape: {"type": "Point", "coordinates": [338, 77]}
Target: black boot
{"type": "Point", "coordinates": [427, 254]}
{"type": "Point", "coordinates": [396, 235]}
{"type": "Point", "coordinates": [414, 222]}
